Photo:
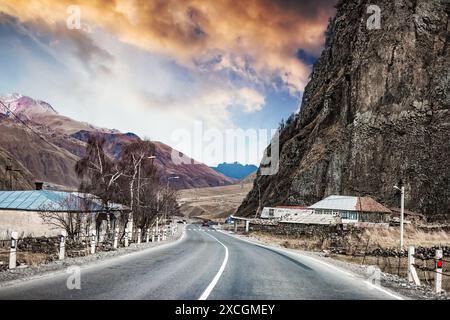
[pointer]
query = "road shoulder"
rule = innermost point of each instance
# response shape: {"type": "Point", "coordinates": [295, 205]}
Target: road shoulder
{"type": "Point", "coordinates": [388, 282]}
{"type": "Point", "coordinates": [12, 277]}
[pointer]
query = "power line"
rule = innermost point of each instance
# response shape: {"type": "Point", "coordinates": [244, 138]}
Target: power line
{"type": "Point", "coordinates": [29, 127]}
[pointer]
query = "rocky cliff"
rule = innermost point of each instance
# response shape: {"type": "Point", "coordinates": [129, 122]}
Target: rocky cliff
{"type": "Point", "coordinates": [375, 112]}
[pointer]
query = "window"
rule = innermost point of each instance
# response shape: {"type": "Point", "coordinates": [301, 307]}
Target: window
{"type": "Point", "coordinates": [349, 215]}
{"type": "Point", "coordinates": [271, 212]}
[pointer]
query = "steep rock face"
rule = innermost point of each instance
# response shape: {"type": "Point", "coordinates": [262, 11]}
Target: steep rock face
{"type": "Point", "coordinates": [375, 112]}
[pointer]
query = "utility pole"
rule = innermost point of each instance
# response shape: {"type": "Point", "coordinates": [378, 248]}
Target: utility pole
{"type": "Point", "coordinates": [402, 213]}
{"type": "Point", "coordinates": [167, 203]}
{"type": "Point", "coordinates": [139, 178]}
{"type": "Point", "coordinates": [138, 191]}
{"type": "Point", "coordinates": [259, 198]}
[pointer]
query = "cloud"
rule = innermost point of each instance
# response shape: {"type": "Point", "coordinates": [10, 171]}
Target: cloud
{"type": "Point", "coordinates": [55, 38]}
{"type": "Point", "coordinates": [251, 99]}
{"type": "Point", "coordinates": [209, 103]}
{"type": "Point", "coordinates": [154, 66]}
{"type": "Point", "coordinates": [257, 39]}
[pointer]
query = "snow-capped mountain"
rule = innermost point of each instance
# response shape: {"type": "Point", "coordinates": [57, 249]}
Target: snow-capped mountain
{"type": "Point", "coordinates": [42, 113]}
{"type": "Point", "coordinates": [53, 158]}
{"type": "Point", "coordinates": [23, 105]}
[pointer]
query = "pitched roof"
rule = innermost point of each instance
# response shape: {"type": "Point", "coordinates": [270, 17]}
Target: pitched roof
{"type": "Point", "coordinates": [291, 207]}
{"type": "Point", "coordinates": [53, 201]}
{"type": "Point", "coordinates": [350, 203]}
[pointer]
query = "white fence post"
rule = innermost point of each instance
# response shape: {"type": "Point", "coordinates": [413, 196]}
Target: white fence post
{"type": "Point", "coordinates": [164, 230]}
{"type": "Point", "coordinates": [158, 234]}
{"type": "Point", "coordinates": [139, 236]}
{"type": "Point", "coordinates": [153, 235]}
{"type": "Point", "coordinates": [147, 238]}
{"type": "Point", "coordinates": [62, 245]}
{"type": "Point", "coordinates": [116, 238]}
{"type": "Point", "coordinates": [126, 237]}
{"type": "Point", "coordinates": [93, 240]}
{"type": "Point", "coordinates": [438, 279]}
{"type": "Point", "coordinates": [13, 252]}
{"type": "Point", "coordinates": [412, 273]}
{"type": "Point", "coordinates": [247, 226]}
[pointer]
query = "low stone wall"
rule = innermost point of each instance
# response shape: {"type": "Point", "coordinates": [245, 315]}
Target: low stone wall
{"type": "Point", "coordinates": [298, 229]}
{"type": "Point", "coordinates": [420, 252]}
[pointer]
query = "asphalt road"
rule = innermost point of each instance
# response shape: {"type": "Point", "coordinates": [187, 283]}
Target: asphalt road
{"type": "Point", "coordinates": [204, 264]}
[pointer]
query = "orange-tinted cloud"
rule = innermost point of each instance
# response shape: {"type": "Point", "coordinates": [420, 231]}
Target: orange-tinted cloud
{"type": "Point", "coordinates": [257, 39]}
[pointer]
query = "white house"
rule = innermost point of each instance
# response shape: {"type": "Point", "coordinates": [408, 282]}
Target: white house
{"type": "Point", "coordinates": [353, 209]}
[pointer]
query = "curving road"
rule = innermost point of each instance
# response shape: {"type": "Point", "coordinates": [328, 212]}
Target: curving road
{"type": "Point", "coordinates": [204, 264]}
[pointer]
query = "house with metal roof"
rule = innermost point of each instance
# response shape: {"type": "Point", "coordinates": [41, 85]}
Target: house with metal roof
{"type": "Point", "coordinates": [21, 211]}
{"type": "Point", "coordinates": [353, 209]}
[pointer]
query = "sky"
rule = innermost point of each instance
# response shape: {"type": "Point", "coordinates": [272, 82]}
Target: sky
{"type": "Point", "coordinates": [165, 69]}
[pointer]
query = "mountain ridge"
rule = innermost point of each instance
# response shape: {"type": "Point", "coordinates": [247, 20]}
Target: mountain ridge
{"type": "Point", "coordinates": [235, 170]}
{"type": "Point", "coordinates": [54, 143]}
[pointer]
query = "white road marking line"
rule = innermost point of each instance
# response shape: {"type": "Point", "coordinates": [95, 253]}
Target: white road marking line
{"type": "Point", "coordinates": [323, 263]}
{"type": "Point", "coordinates": [214, 281]}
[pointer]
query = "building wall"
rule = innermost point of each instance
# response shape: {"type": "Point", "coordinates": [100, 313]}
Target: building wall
{"type": "Point", "coordinates": [26, 223]}
{"type": "Point", "coordinates": [355, 216]}
{"type": "Point", "coordinates": [269, 212]}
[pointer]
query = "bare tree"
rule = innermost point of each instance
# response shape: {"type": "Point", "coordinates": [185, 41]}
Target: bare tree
{"type": "Point", "coordinates": [133, 160]}
{"type": "Point", "coordinates": [155, 200]}
{"type": "Point", "coordinates": [73, 214]}
{"type": "Point", "coordinates": [100, 173]}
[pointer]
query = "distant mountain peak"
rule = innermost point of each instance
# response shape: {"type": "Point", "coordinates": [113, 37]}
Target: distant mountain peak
{"type": "Point", "coordinates": [19, 104]}
{"type": "Point", "coordinates": [235, 170]}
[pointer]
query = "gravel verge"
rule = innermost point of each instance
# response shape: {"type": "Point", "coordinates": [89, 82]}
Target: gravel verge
{"type": "Point", "coordinates": [20, 274]}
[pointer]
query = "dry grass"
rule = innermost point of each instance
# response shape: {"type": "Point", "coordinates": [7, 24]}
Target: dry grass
{"type": "Point", "coordinates": [389, 238]}
{"type": "Point", "coordinates": [28, 258]}
{"type": "Point", "coordinates": [398, 266]}
{"type": "Point", "coordinates": [33, 259]}
{"type": "Point", "coordinates": [384, 238]}
{"type": "Point", "coordinates": [309, 244]}
{"type": "Point", "coordinates": [214, 202]}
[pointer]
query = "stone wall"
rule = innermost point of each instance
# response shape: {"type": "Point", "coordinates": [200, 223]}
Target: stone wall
{"type": "Point", "coordinates": [297, 229]}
